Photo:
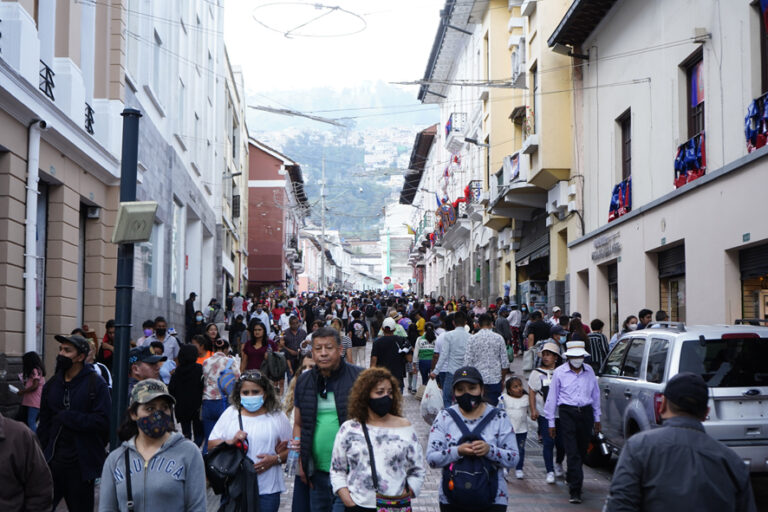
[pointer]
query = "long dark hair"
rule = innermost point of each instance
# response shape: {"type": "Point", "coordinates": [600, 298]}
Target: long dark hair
{"type": "Point", "coordinates": [251, 338]}
{"type": "Point", "coordinates": [129, 428]}
{"type": "Point", "coordinates": [413, 333]}
{"type": "Point", "coordinates": [29, 362]}
{"type": "Point", "coordinates": [429, 332]}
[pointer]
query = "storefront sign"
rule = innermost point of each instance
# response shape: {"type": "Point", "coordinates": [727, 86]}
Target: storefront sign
{"type": "Point", "coordinates": [605, 246]}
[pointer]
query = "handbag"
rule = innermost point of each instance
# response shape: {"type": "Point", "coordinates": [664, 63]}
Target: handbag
{"type": "Point", "coordinates": [401, 503]}
{"type": "Point", "coordinates": [222, 464]}
{"type": "Point", "coordinates": [528, 360]}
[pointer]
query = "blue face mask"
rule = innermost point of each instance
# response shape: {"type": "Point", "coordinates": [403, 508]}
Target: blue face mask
{"type": "Point", "coordinates": [252, 403]}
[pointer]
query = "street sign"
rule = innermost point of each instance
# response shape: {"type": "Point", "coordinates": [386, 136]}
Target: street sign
{"type": "Point", "coordinates": [387, 280]}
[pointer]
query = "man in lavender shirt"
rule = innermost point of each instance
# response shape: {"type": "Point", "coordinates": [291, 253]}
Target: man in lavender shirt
{"type": "Point", "coordinates": [575, 393]}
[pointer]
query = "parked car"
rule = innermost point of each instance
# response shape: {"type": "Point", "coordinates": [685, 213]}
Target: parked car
{"type": "Point", "coordinates": [732, 359]}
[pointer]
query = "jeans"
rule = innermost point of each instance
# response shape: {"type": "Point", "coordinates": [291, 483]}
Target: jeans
{"type": "Point", "coordinates": [68, 484]}
{"type": "Point", "coordinates": [28, 415]}
{"type": "Point", "coordinates": [550, 444]}
{"type": "Point", "coordinates": [211, 411]}
{"type": "Point", "coordinates": [321, 497]}
{"type": "Point", "coordinates": [193, 425]}
{"type": "Point", "coordinates": [576, 426]}
{"type": "Point", "coordinates": [447, 389]}
{"type": "Point", "coordinates": [492, 393]}
{"type": "Point", "coordinates": [300, 501]}
{"type": "Point", "coordinates": [356, 356]}
{"type": "Point", "coordinates": [269, 502]}
{"type": "Point", "coordinates": [424, 368]}
{"type": "Point", "coordinates": [413, 381]}
{"type": "Point", "coordinates": [521, 448]}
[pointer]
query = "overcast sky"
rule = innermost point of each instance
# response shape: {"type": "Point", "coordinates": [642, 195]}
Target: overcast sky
{"type": "Point", "coordinates": [394, 44]}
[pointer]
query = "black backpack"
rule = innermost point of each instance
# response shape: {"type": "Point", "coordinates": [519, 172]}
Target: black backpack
{"type": "Point", "coordinates": [370, 310]}
{"type": "Point", "coordinates": [471, 482]}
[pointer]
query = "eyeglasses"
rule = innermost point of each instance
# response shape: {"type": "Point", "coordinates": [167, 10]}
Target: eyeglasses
{"type": "Point", "coordinates": [250, 374]}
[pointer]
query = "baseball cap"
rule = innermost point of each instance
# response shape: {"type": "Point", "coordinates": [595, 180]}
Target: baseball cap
{"type": "Point", "coordinates": [558, 329]}
{"type": "Point", "coordinates": [147, 390]}
{"type": "Point", "coordinates": [689, 392]}
{"type": "Point", "coordinates": [555, 309]}
{"type": "Point", "coordinates": [389, 323]}
{"type": "Point", "coordinates": [467, 374]}
{"type": "Point", "coordinates": [80, 343]}
{"type": "Point", "coordinates": [143, 355]}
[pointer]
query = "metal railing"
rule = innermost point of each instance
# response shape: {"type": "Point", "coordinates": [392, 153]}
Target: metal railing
{"type": "Point", "coordinates": [89, 119]}
{"type": "Point", "coordinates": [46, 80]}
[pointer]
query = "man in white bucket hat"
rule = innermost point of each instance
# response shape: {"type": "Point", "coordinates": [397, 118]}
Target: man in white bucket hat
{"type": "Point", "coordinates": [574, 391]}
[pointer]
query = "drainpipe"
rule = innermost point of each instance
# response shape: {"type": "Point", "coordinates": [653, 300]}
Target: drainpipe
{"type": "Point", "coordinates": [30, 252]}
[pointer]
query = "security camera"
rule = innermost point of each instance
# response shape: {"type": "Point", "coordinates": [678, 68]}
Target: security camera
{"type": "Point", "coordinates": [43, 126]}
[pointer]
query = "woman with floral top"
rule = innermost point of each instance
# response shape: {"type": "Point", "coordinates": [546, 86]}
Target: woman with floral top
{"type": "Point", "coordinates": [375, 404]}
{"type": "Point", "coordinates": [498, 443]}
{"type": "Point", "coordinates": [214, 401]}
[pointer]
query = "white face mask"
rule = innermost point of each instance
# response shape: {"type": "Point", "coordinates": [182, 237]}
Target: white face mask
{"type": "Point", "coordinates": [632, 327]}
{"type": "Point", "coordinates": [576, 362]}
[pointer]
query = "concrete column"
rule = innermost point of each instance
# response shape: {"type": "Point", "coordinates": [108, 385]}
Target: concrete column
{"type": "Point", "coordinates": [101, 264]}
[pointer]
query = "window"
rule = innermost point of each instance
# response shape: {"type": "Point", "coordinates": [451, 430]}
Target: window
{"type": "Point", "coordinates": [625, 125]}
{"type": "Point", "coordinates": [763, 49]}
{"type": "Point", "coordinates": [633, 362]}
{"type": "Point", "coordinates": [612, 365]}
{"type": "Point", "coordinates": [176, 252]}
{"type": "Point", "coordinates": [672, 282]}
{"type": "Point", "coordinates": [612, 271]}
{"type": "Point", "coordinates": [157, 66]}
{"type": "Point", "coordinates": [180, 113]}
{"type": "Point", "coordinates": [534, 122]}
{"type": "Point", "coordinates": [695, 74]}
{"type": "Point", "coordinates": [728, 363]}
{"type": "Point", "coordinates": [146, 263]}
{"type": "Point", "coordinates": [657, 361]}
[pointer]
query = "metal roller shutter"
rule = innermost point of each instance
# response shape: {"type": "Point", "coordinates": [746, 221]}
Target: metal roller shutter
{"type": "Point", "coordinates": [753, 262]}
{"type": "Point", "coordinates": [672, 262]}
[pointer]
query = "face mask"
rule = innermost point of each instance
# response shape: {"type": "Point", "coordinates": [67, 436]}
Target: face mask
{"type": "Point", "coordinates": [147, 332]}
{"type": "Point", "coordinates": [156, 424]}
{"type": "Point", "coordinates": [468, 402]}
{"type": "Point", "coordinates": [632, 327]}
{"type": "Point", "coordinates": [199, 318]}
{"type": "Point", "coordinates": [160, 332]}
{"type": "Point", "coordinates": [63, 363]}
{"type": "Point", "coordinates": [252, 403]}
{"type": "Point", "coordinates": [381, 406]}
{"type": "Point", "coordinates": [576, 362]}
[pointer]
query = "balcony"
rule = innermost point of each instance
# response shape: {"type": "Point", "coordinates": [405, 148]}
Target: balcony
{"type": "Point", "coordinates": [455, 131]}
{"type": "Point", "coordinates": [89, 119]}
{"type": "Point", "coordinates": [512, 196]}
{"type": "Point", "coordinates": [528, 7]}
{"type": "Point", "coordinates": [691, 160]}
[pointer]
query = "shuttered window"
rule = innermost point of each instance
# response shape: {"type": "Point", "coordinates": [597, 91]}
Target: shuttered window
{"type": "Point", "coordinates": [753, 262]}
{"type": "Point", "coordinates": [672, 262]}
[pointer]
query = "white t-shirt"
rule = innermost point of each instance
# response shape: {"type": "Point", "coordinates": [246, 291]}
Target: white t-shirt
{"type": "Point", "coordinates": [517, 410]}
{"type": "Point", "coordinates": [264, 432]}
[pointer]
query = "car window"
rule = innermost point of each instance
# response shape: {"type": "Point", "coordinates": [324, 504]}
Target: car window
{"type": "Point", "coordinates": [634, 360]}
{"type": "Point", "coordinates": [657, 360]}
{"type": "Point", "coordinates": [612, 365]}
{"type": "Point", "coordinates": [734, 362]}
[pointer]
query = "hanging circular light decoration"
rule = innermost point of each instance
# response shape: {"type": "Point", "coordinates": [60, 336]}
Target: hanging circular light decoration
{"type": "Point", "coordinates": [319, 20]}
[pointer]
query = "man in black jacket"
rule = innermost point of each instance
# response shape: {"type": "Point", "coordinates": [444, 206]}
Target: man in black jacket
{"type": "Point", "coordinates": [678, 466]}
{"type": "Point", "coordinates": [320, 402]}
{"type": "Point", "coordinates": [74, 424]}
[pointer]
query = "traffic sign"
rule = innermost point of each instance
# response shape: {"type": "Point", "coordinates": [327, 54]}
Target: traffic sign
{"type": "Point", "coordinates": [387, 280]}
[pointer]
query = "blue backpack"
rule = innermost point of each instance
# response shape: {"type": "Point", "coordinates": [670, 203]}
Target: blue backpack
{"type": "Point", "coordinates": [471, 483]}
{"type": "Point", "coordinates": [227, 378]}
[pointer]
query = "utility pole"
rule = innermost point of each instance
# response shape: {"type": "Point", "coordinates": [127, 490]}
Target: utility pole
{"type": "Point", "coordinates": [322, 225]}
{"type": "Point", "coordinates": [124, 286]}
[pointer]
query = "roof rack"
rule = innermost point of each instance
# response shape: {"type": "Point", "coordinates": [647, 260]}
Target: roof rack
{"type": "Point", "coordinates": [679, 326]}
{"type": "Point", "coordinates": [751, 321]}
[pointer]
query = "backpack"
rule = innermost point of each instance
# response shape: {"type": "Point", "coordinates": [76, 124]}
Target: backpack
{"type": "Point", "coordinates": [370, 310]}
{"type": "Point", "coordinates": [274, 365]}
{"type": "Point", "coordinates": [471, 483]}
{"type": "Point", "coordinates": [227, 378]}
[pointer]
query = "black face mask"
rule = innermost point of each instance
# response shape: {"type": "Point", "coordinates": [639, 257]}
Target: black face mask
{"type": "Point", "coordinates": [63, 363]}
{"type": "Point", "coordinates": [381, 406]}
{"type": "Point", "coordinates": [468, 402]}
{"type": "Point", "coordinates": [160, 332]}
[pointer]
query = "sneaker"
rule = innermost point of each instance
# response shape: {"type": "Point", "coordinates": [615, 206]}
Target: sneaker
{"type": "Point", "coordinates": [519, 474]}
{"type": "Point", "coordinates": [550, 478]}
{"type": "Point", "coordinates": [559, 470]}
{"type": "Point", "coordinates": [575, 497]}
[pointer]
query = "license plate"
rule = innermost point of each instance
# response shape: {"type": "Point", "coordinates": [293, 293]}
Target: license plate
{"type": "Point", "coordinates": [741, 409]}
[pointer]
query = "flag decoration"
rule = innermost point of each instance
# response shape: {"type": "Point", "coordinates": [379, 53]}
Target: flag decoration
{"type": "Point", "coordinates": [756, 124]}
{"type": "Point", "coordinates": [690, 160]}
{"type": "Point", "coordinates": [764, 10]}
{"type": "Point", "coordinates": [621, 200]}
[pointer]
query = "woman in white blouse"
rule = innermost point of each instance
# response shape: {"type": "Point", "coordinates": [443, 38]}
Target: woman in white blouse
{"type": "Point", "coordinates": [375, 403]}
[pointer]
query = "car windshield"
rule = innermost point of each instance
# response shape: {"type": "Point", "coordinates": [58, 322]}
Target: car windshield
{"type": "Point", "coordinates": [728, 363]}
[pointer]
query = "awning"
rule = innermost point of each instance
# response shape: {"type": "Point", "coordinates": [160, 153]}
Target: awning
{"type": "Point", "coordinates": [578, 23]}
{"type": "Point", "coordinates": [538, 249]}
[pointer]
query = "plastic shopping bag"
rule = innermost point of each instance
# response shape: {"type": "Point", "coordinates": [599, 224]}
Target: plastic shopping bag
{"type": "Point", "coordinates": [431, 402]}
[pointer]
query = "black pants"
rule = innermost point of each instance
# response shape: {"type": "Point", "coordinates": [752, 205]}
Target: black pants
{"type": "Point", "coordinates": [444, 507]}
{"type": "Point", "coordinates": [68, 484]}
{"type": "Point", "coordinates": [576, 425]}
{"type": "Point", "coordinates": [190, 425]}
{"type": "Point", "coordinates": [358, 508]}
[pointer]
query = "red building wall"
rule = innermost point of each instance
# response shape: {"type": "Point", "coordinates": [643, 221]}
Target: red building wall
{"type": "Point", "coordinates": [266, 220]}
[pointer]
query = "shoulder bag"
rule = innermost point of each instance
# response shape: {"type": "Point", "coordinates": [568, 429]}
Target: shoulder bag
{"type": "Point", "coordinates": [222, 464]}
{"type": "Point", "coordinates": [401, 503]}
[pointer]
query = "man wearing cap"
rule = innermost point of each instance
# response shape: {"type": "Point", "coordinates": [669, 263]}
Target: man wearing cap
{"type": "Point", "coordinates": [391, 351]}
{"type": "Point", "coordinates": [575, 395]}
{"type": "Point", "coordinates": [143, 364]}
{"type": "Point", "coordinates": [74, 424]}
{"type": "Point", "coordinates": [555, 318]}
{"type": "Point", "coordinates": [679, 466]}
{"type": "Point", "coordinates": [170, 344]}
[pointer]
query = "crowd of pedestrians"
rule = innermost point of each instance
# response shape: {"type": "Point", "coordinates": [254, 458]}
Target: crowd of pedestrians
{"type": "Point", "coordinates": [282, 380]}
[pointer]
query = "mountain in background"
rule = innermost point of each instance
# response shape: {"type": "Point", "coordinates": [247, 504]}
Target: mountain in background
{"type": "Point", "coordinates": [363, 163]}
{"type": "Point", "coordinates": [370, 105]}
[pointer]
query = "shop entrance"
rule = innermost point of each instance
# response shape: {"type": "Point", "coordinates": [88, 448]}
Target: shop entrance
{"type": "Point", "coordinates": [672, 282]}
{"type": "Point", "coordinates": [753, 263]}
